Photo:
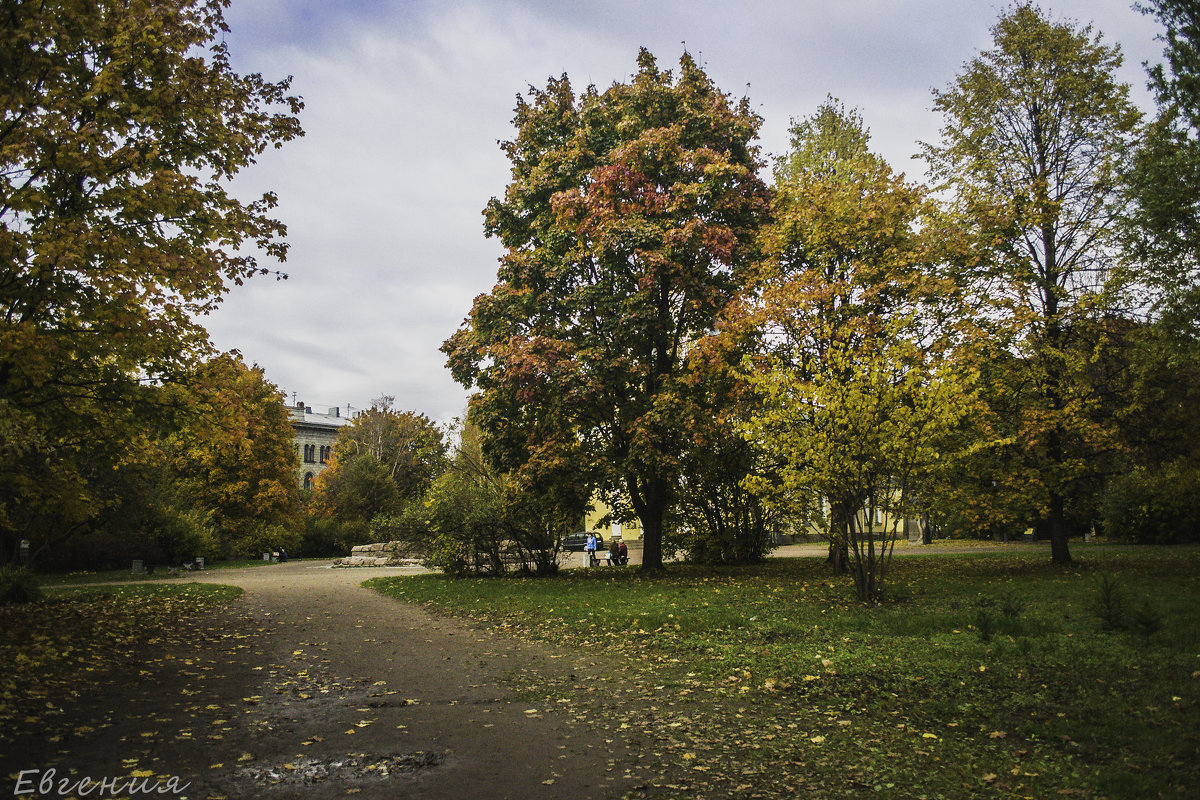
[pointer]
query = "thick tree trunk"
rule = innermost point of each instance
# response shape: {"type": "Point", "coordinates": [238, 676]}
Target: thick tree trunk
{"type": "Point", "coordinates": [652, 538]}
{"type": "Point", "coordinates": [1056, 526]}
{"type": "Point", "coordinates": [839, 541]}
{"type": "Point", "coordinates": [649, 501]}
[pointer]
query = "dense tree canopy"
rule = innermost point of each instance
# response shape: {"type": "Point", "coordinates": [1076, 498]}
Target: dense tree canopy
{"type": "Point", "coordinates": [212, 473]}
{"type": "Point", "coordinates": [627, 226]}
{"type": "Point", "coordinates": [1164, 182]}
{"type": "Point", "coordinates": [122, 125]}
{"type": "Point", "coordinates": [234, 459]}
{"type": "Point", "coordinates": [1035, 133]}
{"type": "Point", "coordinates": [381, 461]}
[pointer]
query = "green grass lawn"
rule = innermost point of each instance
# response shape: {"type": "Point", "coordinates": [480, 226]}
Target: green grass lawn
{"type": "Point", "coordinates": [987, 674]}
{"type": "Point", "coordinates": [51, 579]}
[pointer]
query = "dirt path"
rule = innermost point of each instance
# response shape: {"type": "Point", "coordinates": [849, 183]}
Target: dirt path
{"type": "Point", "coordinates": [311, 686]}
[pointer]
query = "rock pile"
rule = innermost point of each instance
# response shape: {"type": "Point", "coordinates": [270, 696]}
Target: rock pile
{"type": "Point", "coordinates": [380, 554]}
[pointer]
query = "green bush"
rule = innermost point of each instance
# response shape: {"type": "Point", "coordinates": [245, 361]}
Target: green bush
{"type": "Point", "coordinates": [331, 537]}
{"type": "Point", "coordinates": [1151, 505]}
{"type": "Point", "coordinates": [256, 537]}
{"type": "Point", "coordinates": [18, 585]}
{"type": "Point", "coordinates": [184, 535]}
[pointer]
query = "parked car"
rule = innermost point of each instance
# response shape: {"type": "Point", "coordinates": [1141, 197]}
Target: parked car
{"type": "Point", "coordinates": [577, 542]}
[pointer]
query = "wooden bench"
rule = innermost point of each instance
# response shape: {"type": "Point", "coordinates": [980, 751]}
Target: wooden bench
{"type": "Point", "coordinates": [609, 560]}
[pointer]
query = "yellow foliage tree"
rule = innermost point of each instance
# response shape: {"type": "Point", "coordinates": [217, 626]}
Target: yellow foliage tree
{"type": "Point", "coordinates": [235, 458]}
{"type": "Point", "coordinates": [854, 360]}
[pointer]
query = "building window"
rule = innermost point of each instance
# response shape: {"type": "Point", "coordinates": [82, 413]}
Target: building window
{"type": "Point", "coordinates": [308, 480]}
{"type": "Point", "coordinates": [326, 452]}
{"type": "Point", "coordinates": [310, 454]}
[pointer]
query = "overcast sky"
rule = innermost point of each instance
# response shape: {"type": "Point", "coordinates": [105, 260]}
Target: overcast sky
{"type": "Point", "coordinates": [407, 99]}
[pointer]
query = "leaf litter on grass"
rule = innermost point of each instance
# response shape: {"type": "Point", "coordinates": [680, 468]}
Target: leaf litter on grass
{"type": "Point", "coordinates": [768, 681]}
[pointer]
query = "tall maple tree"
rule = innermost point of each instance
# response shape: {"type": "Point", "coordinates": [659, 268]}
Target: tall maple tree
{"type": "Point", "coordinates": [1036, 130]}
{"type": "Point", "coordinates": [627, 225]}
{"type": "Point", "coordinates": [122, 125]}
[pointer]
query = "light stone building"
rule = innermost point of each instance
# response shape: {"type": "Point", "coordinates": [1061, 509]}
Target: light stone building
{"type": "Point", "coordinates": [315, 435]}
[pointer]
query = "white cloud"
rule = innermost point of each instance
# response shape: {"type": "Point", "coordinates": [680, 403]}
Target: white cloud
{"type": "Point", "coordinates": [405, 104]}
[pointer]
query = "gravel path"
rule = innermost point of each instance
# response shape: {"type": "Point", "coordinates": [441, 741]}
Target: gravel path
{"type": "Point", "coordinates": [311, 686]}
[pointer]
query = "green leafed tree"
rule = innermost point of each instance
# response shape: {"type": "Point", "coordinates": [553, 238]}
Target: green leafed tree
{"type": "Point", "coordinates": [1156, 375]}
{"type": "Point", "coordinates": [1147, 500]}
{"type": "Point", "coordinates": [480, 521]}
{"type": "Point", "coordinates": [627, 227]}
{"type": "Point", "coordinates": [121, 125]}
{"type": "Point", "coordinates": [854, 357]}
{"type": "Point", "coordinates": [1164, 182]}
{"type": "Point", "coordinates": [382, 462]}
{"type": "Point", "coordinates": [1034, 138]}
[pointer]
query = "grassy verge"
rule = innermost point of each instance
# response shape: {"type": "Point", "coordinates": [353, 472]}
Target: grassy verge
{"type": "Point", "coordinates": [124, 576]}
{"type": "Point", "coordinates": [64, 646]}
{"type": "Point", "coordinates": [983, 676]}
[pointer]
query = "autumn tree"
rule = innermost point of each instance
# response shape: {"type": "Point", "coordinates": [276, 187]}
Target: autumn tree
{"type": "Point", "coordinates": [853, 362]}
{"type": "Point", "coordinates": [234, 458]}
{"type": "Point", "coordinates": [382, 461]}
{"type": "Point", "coordinates": [123, 124]}
{"type": "Point", "coordinates": [1034, 136]}
{"type": "Point", "coordinates": [627, 226]}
